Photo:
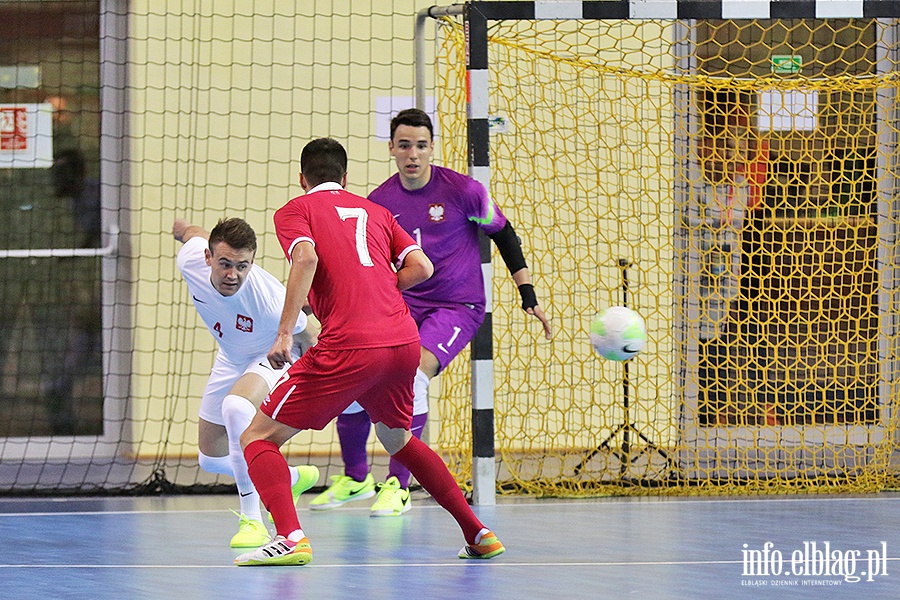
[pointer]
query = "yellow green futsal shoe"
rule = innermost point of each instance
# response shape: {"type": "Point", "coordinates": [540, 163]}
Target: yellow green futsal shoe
{"type": "Point", "coordinates": [343, 490]}
{"type": "Point", "coordinates": [307, 476]}
{"type": "Point", "coordinates": [392, 500]}
{"type": "Point", "coordinates": [251, 534]}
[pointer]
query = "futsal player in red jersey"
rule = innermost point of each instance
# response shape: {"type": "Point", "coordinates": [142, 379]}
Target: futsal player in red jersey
{"type": "Point", "coordinates": [343, 251]}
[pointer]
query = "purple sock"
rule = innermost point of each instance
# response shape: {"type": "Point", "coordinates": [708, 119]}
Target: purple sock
{"type": "Point", "coordinates": [395, 469]}
{"type": "Point", "coordinates": [353, 433]}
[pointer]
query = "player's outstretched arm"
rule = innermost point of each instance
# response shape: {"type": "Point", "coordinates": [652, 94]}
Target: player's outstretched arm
{"type": "Point", "coordinates": [511, 251]}
{"type": "Point", "coordinates": [416, 268]}
{"type": "Point", "coordinates": [183, 231]}
{"type": "Point", "coordinates": [304, 261]}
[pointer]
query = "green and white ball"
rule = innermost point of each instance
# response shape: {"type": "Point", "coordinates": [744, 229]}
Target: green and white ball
{"type": "Point", "coordinates": [618, 333]}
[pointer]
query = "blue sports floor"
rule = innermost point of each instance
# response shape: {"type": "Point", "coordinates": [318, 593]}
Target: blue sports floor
{"type": "Point", "coordinates": [177, 547]}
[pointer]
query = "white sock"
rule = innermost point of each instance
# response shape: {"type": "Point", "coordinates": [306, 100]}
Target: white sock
{"type": "Point", "coordinates": [237, 412]}
{"type": "Point", "coordinates": [481, 535]}
{"type": "Point", "coordinates": [215, 464]}
{"type": "Point", "coordinates": [420, 393]}
{"type": "Point", "coordinates": [296, 535]}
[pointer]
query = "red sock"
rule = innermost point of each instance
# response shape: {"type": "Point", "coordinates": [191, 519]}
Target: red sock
{"type": "Point", "coordinates": [270, 474]}
{"type": "Point", "coordinates": [430, 471]}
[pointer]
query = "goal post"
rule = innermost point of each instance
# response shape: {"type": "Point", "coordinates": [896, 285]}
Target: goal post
{"type": "Point", "coordinates": [745, 165]}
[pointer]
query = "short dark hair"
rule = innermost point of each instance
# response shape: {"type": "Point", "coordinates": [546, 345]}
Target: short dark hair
{"type": "Point", "coordinates": [235, 232]}
{"type": "Point", "coordinates": [412, 117]}
{"type": "Point", "coordinates": [323, 160]}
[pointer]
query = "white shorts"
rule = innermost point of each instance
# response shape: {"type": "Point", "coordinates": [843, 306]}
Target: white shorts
{"type": "Point", "coordinates": [222, 378]}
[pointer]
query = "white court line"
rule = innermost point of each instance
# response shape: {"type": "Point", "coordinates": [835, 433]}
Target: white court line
{"type": "Point", "coordinates": [643, 501]}
{"type": "Point", "coordinates": [82, 513]}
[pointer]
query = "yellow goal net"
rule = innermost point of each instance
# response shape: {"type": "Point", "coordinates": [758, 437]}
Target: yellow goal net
{"type": "Point", "coordinates": [734, 181]}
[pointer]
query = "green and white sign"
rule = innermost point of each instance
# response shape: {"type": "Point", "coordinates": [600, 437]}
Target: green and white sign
{"type": "Point", "coordinates": [785, 63]}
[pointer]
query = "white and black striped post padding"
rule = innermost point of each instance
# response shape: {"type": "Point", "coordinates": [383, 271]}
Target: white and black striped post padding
{"type": "Point", "coordinates": [483, 469]}
{"type": "Point", "coordinates": [687, 9]}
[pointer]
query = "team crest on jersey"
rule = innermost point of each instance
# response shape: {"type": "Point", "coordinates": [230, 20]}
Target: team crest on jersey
{"type": "Point", "coordinates": [435, 213]}
{"type": "Point", "coordinates": [244, 324]}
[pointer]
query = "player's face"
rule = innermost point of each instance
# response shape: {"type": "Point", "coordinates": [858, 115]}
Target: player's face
{"type": "Point", "coordinates": [230, 267]}
{"type": "Point", "coordinates": [412, 148]}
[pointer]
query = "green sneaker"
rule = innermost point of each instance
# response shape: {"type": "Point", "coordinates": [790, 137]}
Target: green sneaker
{"type": "Point", "coordinates": [307, 476]}
{"type": "Point", "coordinates": [251, 534]}
{"type": "Point", "coordinates": [392, 500]}
{"type": "Point", "coordinates": [343, 490]}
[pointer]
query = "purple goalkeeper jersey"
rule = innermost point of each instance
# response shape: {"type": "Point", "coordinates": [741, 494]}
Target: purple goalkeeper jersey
{"type": "Point", "coordinates": [444, 218]}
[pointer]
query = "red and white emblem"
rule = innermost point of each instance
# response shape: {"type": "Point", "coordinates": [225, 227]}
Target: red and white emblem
{"type": "Point", "coordinates": [435, 213]}
{"type": "Point", "coordinates": [244, 324]}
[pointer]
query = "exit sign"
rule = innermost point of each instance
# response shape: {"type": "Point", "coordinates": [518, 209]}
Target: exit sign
{"type": "Point", "coordinates": [787, 64]}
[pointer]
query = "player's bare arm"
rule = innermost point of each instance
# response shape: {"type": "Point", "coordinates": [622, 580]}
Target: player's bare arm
{"type": "Point", "coordinates": [416, 268]}
{"type": "Point", "coordinates": [304, 261]}
{"type": "Point", "coordinates": [183, 231]}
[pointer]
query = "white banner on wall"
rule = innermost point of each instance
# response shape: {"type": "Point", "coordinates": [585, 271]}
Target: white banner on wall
{"type": "Point", "coordinates": [26, 136]}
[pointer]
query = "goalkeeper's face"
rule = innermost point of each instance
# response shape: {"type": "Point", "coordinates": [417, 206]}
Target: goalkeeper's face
{"type": "Point", "coordinates": [412, 148]}
{"type": "Point", "coordinates": [230, 267]}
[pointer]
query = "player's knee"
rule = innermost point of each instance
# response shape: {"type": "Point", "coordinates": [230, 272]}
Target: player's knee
{"type": "Point", "coordinates": [214, 464]}
{"type": "Point", "coordinates": [393, 440]}
{"type": "Point", "coordinates": [237, 409]}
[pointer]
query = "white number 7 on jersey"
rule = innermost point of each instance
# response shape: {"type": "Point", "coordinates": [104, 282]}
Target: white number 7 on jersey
{"type": "Point", "coordinates": [362, 247]}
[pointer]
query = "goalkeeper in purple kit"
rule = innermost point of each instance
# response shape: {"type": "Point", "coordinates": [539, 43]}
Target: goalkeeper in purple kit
{"type": "Point", "coordinates": [443, 211]}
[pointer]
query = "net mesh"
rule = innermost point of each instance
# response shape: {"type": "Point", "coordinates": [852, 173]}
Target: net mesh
{"type": "Point", "coordinates": [733, 182]}
{"type": "Point", "coordinates": [217, 99]}
{"type": "Point", "coordinates": [753, 211]}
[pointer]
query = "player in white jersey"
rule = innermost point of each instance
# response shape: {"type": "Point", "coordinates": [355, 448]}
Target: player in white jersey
{"type": "Point", "coordinates": [241, 305]}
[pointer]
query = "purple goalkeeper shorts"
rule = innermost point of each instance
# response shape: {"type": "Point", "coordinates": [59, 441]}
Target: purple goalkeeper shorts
{"type": "Point", "coordinates": [445, 329]}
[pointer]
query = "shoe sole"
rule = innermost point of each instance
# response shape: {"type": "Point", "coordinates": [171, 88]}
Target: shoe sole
{"type": "Point", "coordinates": [301, 558]}
{"type": "Point", "coordinates": [293, 559]}
{"type": "Point", "coordinates": [468, 554]}
{"type": "Point", "coordinates": [337, 503]}
{"type": "Point", "coordinates": [391, 513]}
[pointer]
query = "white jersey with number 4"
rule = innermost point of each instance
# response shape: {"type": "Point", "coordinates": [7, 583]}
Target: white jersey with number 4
{"type": "Point", "coordinates": [245, 324]}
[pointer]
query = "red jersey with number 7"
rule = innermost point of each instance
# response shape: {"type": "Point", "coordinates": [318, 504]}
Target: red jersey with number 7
{"type": "Point", "coordinates": [354, 291]}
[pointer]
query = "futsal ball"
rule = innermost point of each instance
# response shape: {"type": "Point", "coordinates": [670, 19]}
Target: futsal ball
{"type": "Point", "coordinates": [618, 333]}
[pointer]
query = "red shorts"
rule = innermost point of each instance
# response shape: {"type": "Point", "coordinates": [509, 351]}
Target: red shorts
{"type": "Point", "coordinates": [324, 382]}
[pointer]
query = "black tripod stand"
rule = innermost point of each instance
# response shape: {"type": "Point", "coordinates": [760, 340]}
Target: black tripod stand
{"type": "Point", "coordinates": [626, 428]}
